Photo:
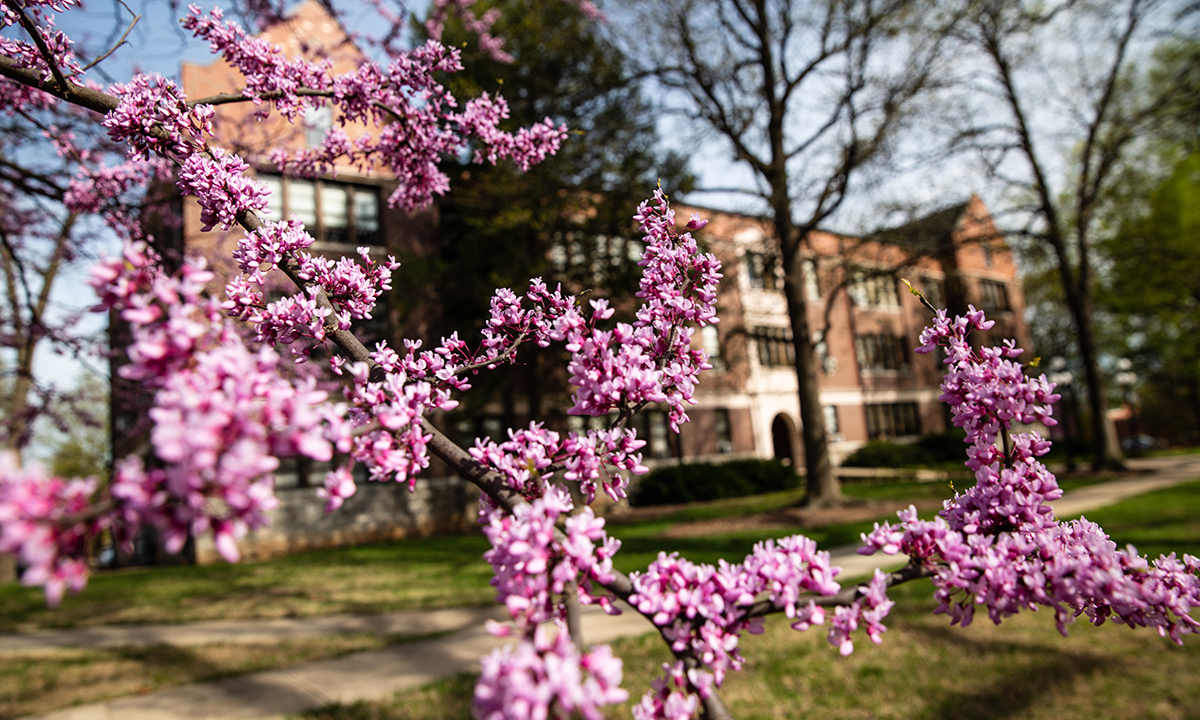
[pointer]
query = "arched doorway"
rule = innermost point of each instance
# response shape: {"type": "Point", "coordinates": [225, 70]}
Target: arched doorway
{"type": "Point", "coordinates": [783, 430]}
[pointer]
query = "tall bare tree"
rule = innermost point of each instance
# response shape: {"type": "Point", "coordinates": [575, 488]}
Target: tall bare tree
{"type": "Point", "coordinates": [811, 95]}
{"type": "Point", "coordinates": [1055, 99]}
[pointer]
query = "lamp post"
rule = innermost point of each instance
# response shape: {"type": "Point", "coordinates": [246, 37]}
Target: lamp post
{"type": "Point", "coordinates": [1062, 379]}
{"type": "Point", "coordinates": [1127, 380]}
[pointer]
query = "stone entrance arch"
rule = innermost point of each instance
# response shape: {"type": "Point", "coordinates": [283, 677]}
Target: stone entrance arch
{"type": "Point", "coordinates": [783, 439]}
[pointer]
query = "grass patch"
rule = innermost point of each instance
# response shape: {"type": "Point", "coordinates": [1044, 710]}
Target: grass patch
{"type": "Point", "coordinates": [1157, 523]}
{"type": "Point", "coordinates": [430, 572]}
{"type": "Point", "coordinates": [924, 669]}
{"type": "Point", "coordinates": [450, 698]}
{"type": "Point", "coordinates": [37, 682]}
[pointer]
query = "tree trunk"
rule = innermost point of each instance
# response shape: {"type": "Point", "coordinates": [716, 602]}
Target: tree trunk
{"type": "Point", "coordinates": [823, 487]}
{"type": "Point", "coordinates": [1106, 452]}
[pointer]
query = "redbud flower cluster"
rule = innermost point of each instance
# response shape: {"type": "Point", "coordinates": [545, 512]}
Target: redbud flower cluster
{"type": "Point", "coordinates": [652, 359]}
{"type": "Point", "coordinates": [353, 289]}
{"type": "Point", "coordinates": [222, 414]}
{"type": "Point", "coordinates": [546, 677]}
{"type": "Point", "coordinates": [44, 523]}
{"type": "Point", "coordinates": [153, 118]}
{"type": "Point", "coordinates": [415, 116]}
{"type": "Point", "coordinates": [678, 288]}
{"type": "Point", "coordinates": [538, 570]}
{"type": "Point", "coordinates": [533, 568]}
{"type": "Point", "coordinates": [702, 610]}
{"type": "Point", "coordinates": [28, 55]}
{"type": "Point", "coordinates": [397, 449]}
{"type": "Point", "coordinates": [998, 545]}
{"type": "Point", "coordinates": [536, 563]}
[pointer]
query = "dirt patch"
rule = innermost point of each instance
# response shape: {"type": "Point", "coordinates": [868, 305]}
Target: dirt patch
{"type": "Point", "coordinates": [797, 518]}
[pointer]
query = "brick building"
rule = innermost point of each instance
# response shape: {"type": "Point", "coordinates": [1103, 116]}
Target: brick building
{"type": "Point", "coordinates": [872, 384]}
{"type": "Point", "coordinates": [865, 325]}
{"type": "Point", "coordinates": [342, 212]}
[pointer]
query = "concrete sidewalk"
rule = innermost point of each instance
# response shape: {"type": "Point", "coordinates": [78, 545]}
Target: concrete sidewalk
{"type": "Point", "coordinates": [377, 674]}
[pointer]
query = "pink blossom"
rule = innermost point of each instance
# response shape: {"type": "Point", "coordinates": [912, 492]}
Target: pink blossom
{"type": "Point", "coordinates": [544, 675]}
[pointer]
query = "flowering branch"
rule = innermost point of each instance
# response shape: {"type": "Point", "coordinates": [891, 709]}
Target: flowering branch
{"type": "Point", "coordinates": [224, 415]}
{"type": "Point", "coordinates": [36, 34]}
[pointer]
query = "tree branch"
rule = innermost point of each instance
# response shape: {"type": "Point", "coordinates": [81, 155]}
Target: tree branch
{"type": "Point", "coordinates": [40, 42]}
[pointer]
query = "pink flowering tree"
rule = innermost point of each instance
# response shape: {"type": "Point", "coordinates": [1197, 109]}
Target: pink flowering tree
{"type": "Point", "coordinates": [64, 185]}
{"type": "Point", "coordinates": [224, 414]}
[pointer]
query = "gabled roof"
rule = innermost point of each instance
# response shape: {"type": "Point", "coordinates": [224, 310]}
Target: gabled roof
{"type": "Point", "coordinates": [929, 235]}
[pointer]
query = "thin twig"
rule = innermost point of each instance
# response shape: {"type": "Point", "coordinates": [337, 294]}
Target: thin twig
{"type": "Point", "coordinates": [120, 42]}
{"type": "Point", "coordinates": [512, 349]}
{"type": "Point", "coordinates": [574, 619]}
{"type": "Point", "coordinates": [36, 35]}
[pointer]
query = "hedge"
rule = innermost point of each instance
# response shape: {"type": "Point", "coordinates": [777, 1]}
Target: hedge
{"type": "Point", "coordinates": [932, 450]}
{"type": "Point", "coordinates": [694, 482]}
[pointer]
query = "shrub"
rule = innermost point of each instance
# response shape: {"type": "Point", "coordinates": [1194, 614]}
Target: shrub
{"type": "Point", "coordinates": [943, 447]}
{"type": "Point", "coordinates": [695, 482]}
{"type": "Point", "coordinates": [928, 450]}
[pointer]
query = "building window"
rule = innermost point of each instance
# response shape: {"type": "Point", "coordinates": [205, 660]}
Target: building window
{"type": "Point", "coordinates": [761, 269]}
{"type": "Point", "coordinates": [935, 292]}
{"type": "Point", "coordinates": [891, 420]}
{"type": "Point", "coordinates": [812, 280]}
{"type": "Point", "coordinates": [651, 426]}
{"type": "Point", "coordinates": [332, 212]}
{"type": "Point", "coordinates": [593, 258]}
{"type": "Point", "coordinates": [774, 347]}
{"type": "Point", "coordinates": [317, 122]}
{"type": "Point", "coordinates": [994, 296]}
{"type": "Point", "coordinates": [874, 290]}
{"type": "Point", "coordinates": [712, 345]}
{"type": "Point", "coordinates": [832, 429]}
{"type": "Point", "coordinates": [878, 352]}
{"type": "Point", "coordinates": [721, 428]}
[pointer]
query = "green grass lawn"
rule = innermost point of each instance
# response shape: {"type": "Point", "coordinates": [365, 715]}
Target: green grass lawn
{"type": "Point", "coordinates": [795, 674]}
{"type": "Point", "coordinates": [36, 682]}
{"type": "Point", "coordinates": [400, 575]}
{"type": "Point", "coordinates": [923, 670]}
{"type": "Point", "coordinates": [1156, 523]}
{"type": "Point", "coordinates": [926, 669]}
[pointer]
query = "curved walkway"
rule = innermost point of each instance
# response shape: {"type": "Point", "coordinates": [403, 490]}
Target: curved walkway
{"type": "Point", "coordinates": [378, 674]}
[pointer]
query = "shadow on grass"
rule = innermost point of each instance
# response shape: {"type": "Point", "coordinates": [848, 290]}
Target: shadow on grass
{"type": "Point", "coordinates": [1022, 674]}
{"type": "Point", "coordinates": [448, 699]}
{"type": "Point", "coordinates": [39, 684]}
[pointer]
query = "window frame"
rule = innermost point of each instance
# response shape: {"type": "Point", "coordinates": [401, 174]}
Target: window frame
{"type": "Point", "coordinates": [880, 353]}
{"type": "Point", "coordinates": [774, 347]}
{"type": "Point", "coordinates": [892, 420]}
{"type": "Point", "coordinates": [874, 290]}
{"type": "Point", "coordinates": [761, 270]}
{"type": "Point", "coordinates": [993, 296]}
{"type": "Point", "coordinates": [323, 232]}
